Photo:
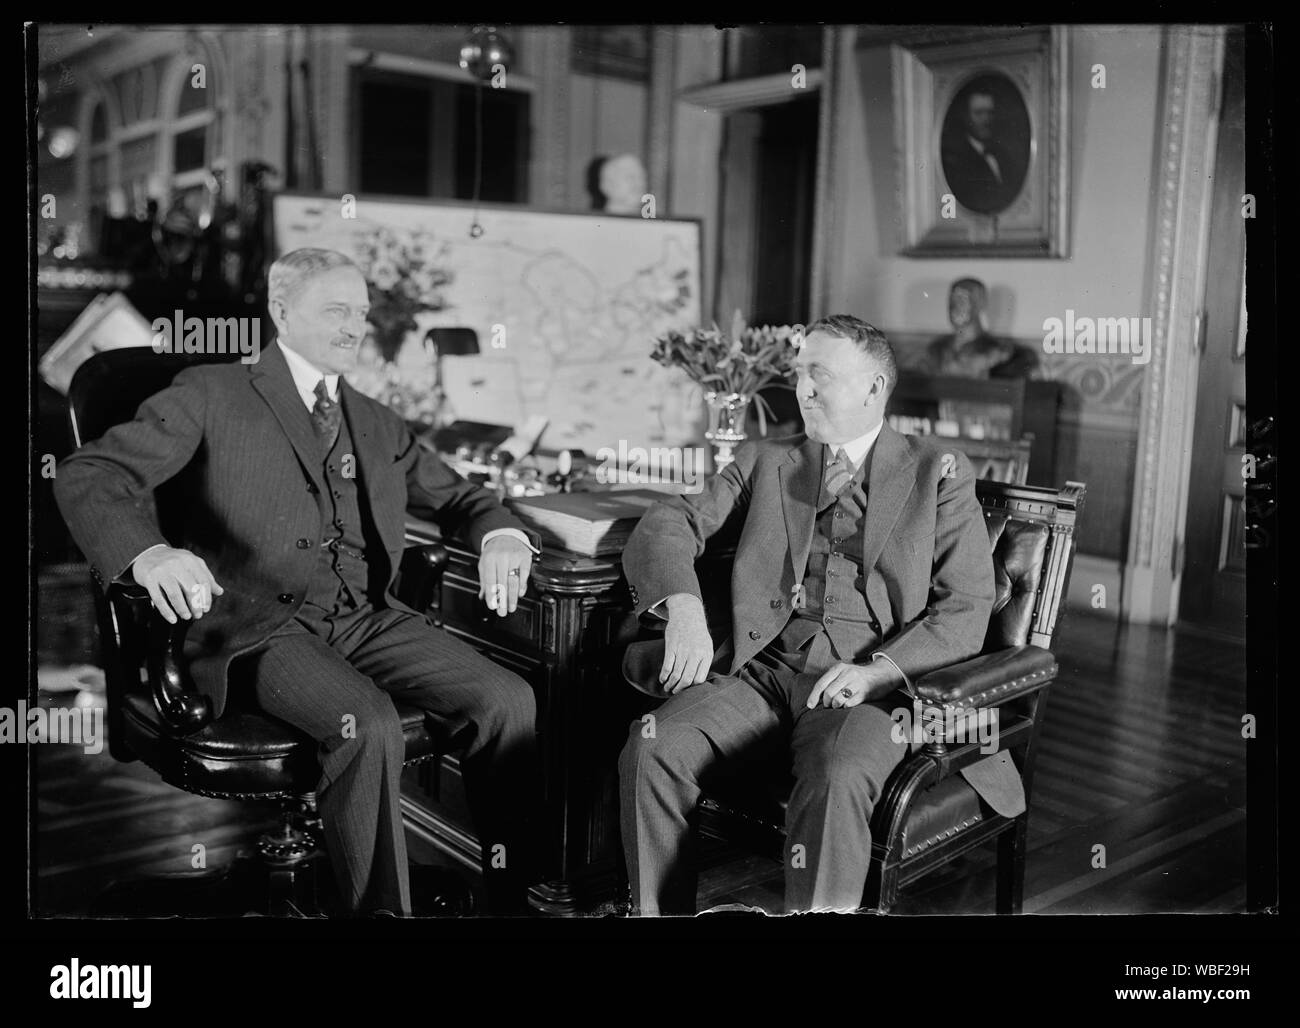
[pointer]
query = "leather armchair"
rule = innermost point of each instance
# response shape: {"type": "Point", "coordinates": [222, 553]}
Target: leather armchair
{"type": "Point", "coordinates": [156, 715]}
{"type": "Point", "coordinates": [929, 812]}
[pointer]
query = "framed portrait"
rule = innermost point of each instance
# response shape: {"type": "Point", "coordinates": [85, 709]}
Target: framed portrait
{"type": "Point", "coordinates": [983, 130]}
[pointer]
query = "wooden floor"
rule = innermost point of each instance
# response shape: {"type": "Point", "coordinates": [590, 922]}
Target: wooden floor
{"type": "Point", "coordinates": [1141, 754]}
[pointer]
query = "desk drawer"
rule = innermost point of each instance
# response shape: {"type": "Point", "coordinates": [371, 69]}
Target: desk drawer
{"type": "Point", "coordinates": [462, 608]}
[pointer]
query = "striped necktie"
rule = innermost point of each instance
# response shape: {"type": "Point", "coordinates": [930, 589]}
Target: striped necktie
{"type": "Point", "coordinates": [839, 473]}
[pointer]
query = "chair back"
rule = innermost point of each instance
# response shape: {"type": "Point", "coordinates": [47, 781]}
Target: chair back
{"type": "Point", "coordinates": [1031, 532]}
{"type": "Point", "coordinates": [110, 386]}
{"type": "Point", "coordinates": [107, 390]}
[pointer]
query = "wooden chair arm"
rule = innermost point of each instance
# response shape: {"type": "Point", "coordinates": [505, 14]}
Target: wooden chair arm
{"type": "Point", "coordinates": [422, 568]}
{"type": "Point", "coordinates": [183, 709]}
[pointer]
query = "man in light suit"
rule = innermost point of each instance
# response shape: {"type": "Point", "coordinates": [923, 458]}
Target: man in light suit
{"type": "Point", "coordinates": [295, 490]}
{"type": "Point", "coordinates": [863, 563]}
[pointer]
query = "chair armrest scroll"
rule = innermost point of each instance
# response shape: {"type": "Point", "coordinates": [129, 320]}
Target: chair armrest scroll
{"type": "Point", "coordinates": [990, 679]}
{"type": "Point", "coordinates": [129, 593]}
{"type": "Point", "coordinates": [422, 568]}
{"type": "Point", "coordinates": [182, 708]}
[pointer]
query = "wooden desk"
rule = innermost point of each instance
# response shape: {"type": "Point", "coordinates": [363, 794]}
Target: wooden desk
{"type": "Point", "coordinates": [567, 639]}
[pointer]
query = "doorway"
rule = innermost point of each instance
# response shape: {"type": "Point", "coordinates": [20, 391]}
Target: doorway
{"type": "Point", "coordinates": [769, 165]}
{"type": "Point", "coordinates": [1214, 583]}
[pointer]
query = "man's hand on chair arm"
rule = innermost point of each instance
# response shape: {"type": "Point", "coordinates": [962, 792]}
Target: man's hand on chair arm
{"type": "Point", "coordinates": [688, 647]}
{"type": "Point", "coordinates": [179, 582]}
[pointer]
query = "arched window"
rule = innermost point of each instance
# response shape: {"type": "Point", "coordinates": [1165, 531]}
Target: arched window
{"type": "Point", "coordinates": [192, 114]}
{"type": "Point", "coordinates": [195, 145]}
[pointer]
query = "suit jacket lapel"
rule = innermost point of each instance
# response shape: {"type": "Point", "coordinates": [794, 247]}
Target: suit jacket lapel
{"type": "Point", "coordinates": [801, 481]}
{"type": "Point", "coordinates": [365, 440]}
{"type": "Point", "coordinates": [274, 382]}
{"type": "Point", "coordinates": [889, 484]}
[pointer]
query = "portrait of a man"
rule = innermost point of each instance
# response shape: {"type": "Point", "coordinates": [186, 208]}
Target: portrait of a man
{"type": "Point", "coordinates": [985, 144]}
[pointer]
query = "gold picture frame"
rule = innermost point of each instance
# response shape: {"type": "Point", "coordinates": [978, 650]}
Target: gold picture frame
{"type": "Point", "coordinates": [982, 127]}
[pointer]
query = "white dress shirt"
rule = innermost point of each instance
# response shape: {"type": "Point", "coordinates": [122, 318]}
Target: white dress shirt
{"type": "Point", "coordinates": [306, 376]}
{"type": "Point", "coordinates": [857, 449]}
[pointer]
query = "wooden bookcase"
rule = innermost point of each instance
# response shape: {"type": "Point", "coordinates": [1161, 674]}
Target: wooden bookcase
{"type": "Point", "coordinates": [1018, 409]}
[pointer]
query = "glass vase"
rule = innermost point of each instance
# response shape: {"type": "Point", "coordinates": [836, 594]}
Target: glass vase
{"type": "Point", "coordinates": [726, 431]}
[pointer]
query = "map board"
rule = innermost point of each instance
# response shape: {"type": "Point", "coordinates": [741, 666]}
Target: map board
{"type": "Point", "coordinates": [566, 307]}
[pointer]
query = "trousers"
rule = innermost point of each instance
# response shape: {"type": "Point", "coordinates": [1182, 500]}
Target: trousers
{"type": "Point", "coordinates": [840, 759]}
{"type": "Point", "coordinates": [336, 679]}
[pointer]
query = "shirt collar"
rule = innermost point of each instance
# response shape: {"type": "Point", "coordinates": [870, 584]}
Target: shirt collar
{"type": "Point", "coordinates": [858, 448]}
{"type": "Point", "coordinates": [306, 375]}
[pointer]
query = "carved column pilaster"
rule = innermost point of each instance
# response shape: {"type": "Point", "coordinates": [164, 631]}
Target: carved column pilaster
{"type": "Point", "coordinates": [1188, 123]}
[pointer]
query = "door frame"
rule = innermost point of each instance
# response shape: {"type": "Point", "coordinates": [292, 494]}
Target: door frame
{"type": "Point", "coordinates": [706, 109]}
{"type": "Point", "coordinates": [1191, 85]}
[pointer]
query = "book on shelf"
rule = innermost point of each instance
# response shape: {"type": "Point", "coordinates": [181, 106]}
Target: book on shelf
{"type": "Point", "coordinates": [594, 524]}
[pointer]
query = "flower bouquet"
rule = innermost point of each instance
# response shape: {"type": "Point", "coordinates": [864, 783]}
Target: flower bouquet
{"type": "Point", "coordinates": [406, 275]}
{"type": "Point", "coordinates": [731, 369]}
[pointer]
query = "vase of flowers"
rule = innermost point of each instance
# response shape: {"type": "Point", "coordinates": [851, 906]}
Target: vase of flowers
{"type": "Point", "coordinates": [726, 431]}
{"type": "Point", "coordinates": [407, 273]}
{"type": "Point", "coordinates": [731, 369]}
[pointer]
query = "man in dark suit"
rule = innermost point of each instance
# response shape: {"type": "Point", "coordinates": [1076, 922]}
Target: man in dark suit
{"type": "Point", "coordinates": [862, 563]}
{"type": "Point", "coordinates": [979, 169]}
{"type": "Point", "coordinates": [296, 492]}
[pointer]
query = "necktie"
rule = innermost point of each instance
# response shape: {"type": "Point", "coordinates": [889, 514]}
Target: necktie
{"type": "Point", "coordinates": [326, 416]}
{"type": "Point", "coordinates": [839, 473]}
